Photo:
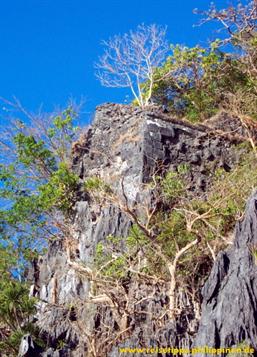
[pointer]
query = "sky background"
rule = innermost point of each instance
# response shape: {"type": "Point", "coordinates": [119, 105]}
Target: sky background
{"type": "Point", "coordinates": [49, 47]}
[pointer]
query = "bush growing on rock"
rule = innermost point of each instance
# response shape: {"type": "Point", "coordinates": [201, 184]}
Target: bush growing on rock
{"type": "Point", "coordinates": [37, 191]}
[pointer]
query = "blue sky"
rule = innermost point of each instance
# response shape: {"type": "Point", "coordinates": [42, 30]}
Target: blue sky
{"type": "Point", "coordinates": [49, 47]}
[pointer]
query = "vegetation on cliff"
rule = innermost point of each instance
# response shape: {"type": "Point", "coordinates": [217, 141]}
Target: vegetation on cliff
{"type": "Point", "coordinates": [37, 191]}
{"type": "Point", "coordinates": [175, 237]}
{"type": "Point", "coordinates": [189, 82]}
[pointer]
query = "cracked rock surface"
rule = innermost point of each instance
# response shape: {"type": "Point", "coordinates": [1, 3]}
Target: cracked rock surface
{"type": "Point", "coordinates": [229, 310]}
{"type": "Point", "coordinates": [127, 143]}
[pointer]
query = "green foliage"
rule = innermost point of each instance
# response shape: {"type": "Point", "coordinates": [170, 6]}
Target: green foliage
{"type": "Point", "coordinates": [61, 344]}
{"type": "Point", "coordinates": [65, 120]}
{"type": "Point", "coordinates": [62, 131]}
{"type": "Point", "coordinates": [189, 79]}
{"type": "Point", "coordinates": [60, 191]}
{"type": "Point", "coordinates": [16, 308]}
{"type": "Point", "coordinates": [225, 201]}
{"type": "Point", "coordinates": [109, 258]}
{"type": "Point", "coordinates": [195, 81]}
{"type": "Point", "coordinates": [100, 256]}
{"type": "Point", "coordinates": [115, 255]}
{"type": "Point", "coordinates": [136, 239]}
{"type": "Point", "coordinates": [173, 233]}
{"type": "Point", "coordinates": [31, 152]}
{"type": "Point", "coordinates": [35, 182]}
{"type": "Point", "coordinates": [15, 303]}
{"type": "Point", "coordinates": [212, 217]}
{"type": "Point", "coordinates": [117, 269]}
{"type": "Point", "coordinates": [96, 184]}
{"type": "Point", "coordinates": [38, 180]}
{"type": "Point", "coordinates": [172, 185]}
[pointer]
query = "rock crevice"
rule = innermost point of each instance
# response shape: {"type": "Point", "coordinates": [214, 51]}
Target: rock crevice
{"type": "Point", "coordinates": [129, 145]}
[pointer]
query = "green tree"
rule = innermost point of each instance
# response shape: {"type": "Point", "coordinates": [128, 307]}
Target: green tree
{"type": "Point", "coordinates": [37, 191]}
{"type": "Point", "coordinates": [16, 308]}
{"type": "Point", "coordinates": [193, 81]}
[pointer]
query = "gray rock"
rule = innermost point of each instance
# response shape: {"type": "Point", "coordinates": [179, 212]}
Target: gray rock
{"type": "Point", "coordinates": [28, 348]}
{"type": "Point", "coordinates": [129, 144]}
{"type": "Point", "coordinates": [229, 311]}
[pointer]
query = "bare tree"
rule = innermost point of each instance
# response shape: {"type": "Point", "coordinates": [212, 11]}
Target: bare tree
{"type": "Point", "coordinates": [129, 60]}
{"type": "Point", "coordinates": [238, 25]}
{"type": "Point", "coordinates": [237, 20]}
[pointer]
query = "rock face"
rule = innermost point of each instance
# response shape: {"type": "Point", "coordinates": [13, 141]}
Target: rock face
{"type": "Point", "coordinates": [128, 145]}
{"type": "Point", "coordinates": [229, 311]}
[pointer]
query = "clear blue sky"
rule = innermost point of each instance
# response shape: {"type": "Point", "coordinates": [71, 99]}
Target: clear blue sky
{"type": "Point", "coordinates": [49, 47]}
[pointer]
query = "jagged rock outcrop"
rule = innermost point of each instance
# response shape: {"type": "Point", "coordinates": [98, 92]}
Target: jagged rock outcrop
{"type": "Point", "coordinates": [229, 312]}
{"type": "Point", "coordinates": [127, 144]}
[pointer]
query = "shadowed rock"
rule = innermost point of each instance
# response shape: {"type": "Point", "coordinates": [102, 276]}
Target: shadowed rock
{"type": "Point", "coordinates": [229, 310]}
{"type": "Point", "coordinates": [28, 348]}
{"type": "Point", "coordinates": [129, 144]}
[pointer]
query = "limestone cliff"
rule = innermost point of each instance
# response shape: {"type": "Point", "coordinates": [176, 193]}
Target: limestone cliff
{"type": "Point", "coordinates": [127, 145]}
